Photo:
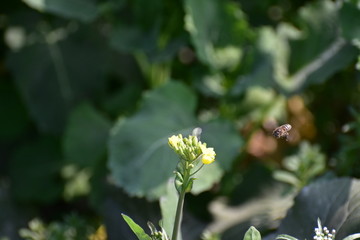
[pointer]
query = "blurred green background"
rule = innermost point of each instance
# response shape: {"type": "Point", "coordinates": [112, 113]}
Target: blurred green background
{"type": "Point", "coordinates": [90, 90]}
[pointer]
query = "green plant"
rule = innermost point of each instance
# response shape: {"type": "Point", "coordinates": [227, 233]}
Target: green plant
{"type": "Point", "coordinates": [301, 168]}
{"type": "Point", "coordinates": [90, 90]}
{"type": "Point", "coordinates": [72, 228]}
{"type": "Point", "coordinates": [192, 153]}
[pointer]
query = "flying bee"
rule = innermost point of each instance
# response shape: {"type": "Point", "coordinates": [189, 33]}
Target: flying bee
{"type": "Point", "coordinates": [282, 131]}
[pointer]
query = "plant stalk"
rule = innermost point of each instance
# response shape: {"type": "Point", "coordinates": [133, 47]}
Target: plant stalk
{"type": "Point", "coordinates": [178, 216]}
{"type": "Point", "coordinates": [180, 206]}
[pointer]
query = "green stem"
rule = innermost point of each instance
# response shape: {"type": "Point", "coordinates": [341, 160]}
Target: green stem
{"type": "Point", "coordinates": [180, 205]}
{"type": "Point", "coordinates": [178, 216]}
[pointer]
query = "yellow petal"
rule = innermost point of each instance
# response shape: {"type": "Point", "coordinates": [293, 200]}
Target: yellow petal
{"type": "Point", "coordinates": [174, 141]}
{"type": "Point", "coordinates": [208, 155]}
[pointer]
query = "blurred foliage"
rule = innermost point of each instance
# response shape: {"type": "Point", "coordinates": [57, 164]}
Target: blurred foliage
{"type": "Point", "coordinates": [301, 168]}
{"type": "Point", "coordinates": [346, 158]}
{"type": "Point", "coordinates": [72, 228]}
{"type": "Point", "coordinates": [90, 91]}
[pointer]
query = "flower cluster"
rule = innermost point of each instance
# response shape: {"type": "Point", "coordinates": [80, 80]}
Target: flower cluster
{"type": "Point", "coordinates": [324, 234]}
{"type": "Point", "coordinates": [190, 149]}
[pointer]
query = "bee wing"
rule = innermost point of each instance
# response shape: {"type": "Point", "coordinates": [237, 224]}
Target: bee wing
{"type": "Point", "coordinates": [197, 132]}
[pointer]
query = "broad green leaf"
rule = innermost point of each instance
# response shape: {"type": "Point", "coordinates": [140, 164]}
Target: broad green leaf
{"type": "Point", "coordinates": [350, 20]}
{"type": "Point", "coordinates": [319, 52]}
{"type": "Point", "coordinates": [335, 202]}
{"type": "Point", "coordinates": [86, 136]}
{"type": "Point", "coordinates": [318, 21]}
{"type": "Point", "coordinates": [84, 10]}
{"type": "Point", "coordinates": [56, 75]}
{"type": "Point", "coordinates": [217, 30]}
{"type": "Point", "coordinates": [139, 232]}
{"type": "Point", "coordinates": [35, 171]}
{"type": "Point", "coordinates": [291, 58]}
{"type": "Point", "coordinates": [45, 98]}
{"type": "Point", "coordinates": [252, 234]}
{"type": "Point", "coordinates": [140, 159]}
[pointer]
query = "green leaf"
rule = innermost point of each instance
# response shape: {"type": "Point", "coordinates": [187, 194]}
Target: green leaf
{"type": "Point", "coordinates": [84, 10]}
{"type": "Point", "coordinates": [56, 75]}
{"type": "Point", "coordinates": [291, 58]}
{"type": "Point", "coordinates": [130, 39]}
{"type": "Point", "coordinates": [335, 202]}
{"type": "Point", "coordinates": [86, 136]}
{"type": "Point", "coordinates": [217, 30]}
{"type": "Point", "coordinates": [140, 159]}
{"type": "Point", "coordinates": [252, 234]}
{"type": "Point", "coordinates": [319, 51]}
{"type": "Point", "coordinates": [350, 20]}
{"type": "Point", "coordinates": [139, 232]}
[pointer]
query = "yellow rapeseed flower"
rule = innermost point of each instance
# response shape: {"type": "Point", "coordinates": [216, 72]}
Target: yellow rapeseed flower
{"type": "Point", "coordinates": [174, 141]}
{"type": "Point", "coordinates": [208, 155]}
